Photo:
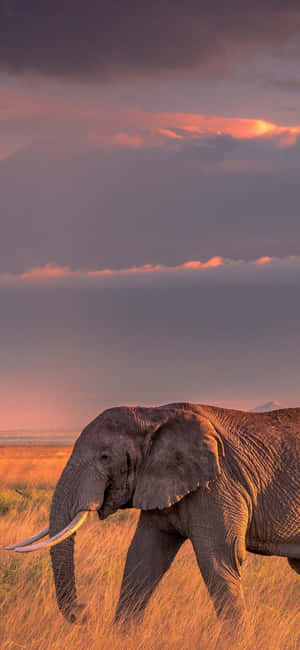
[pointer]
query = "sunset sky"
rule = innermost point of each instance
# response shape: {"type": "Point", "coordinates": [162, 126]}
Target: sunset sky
{"type": "Point", "coordinates": [150, 206]}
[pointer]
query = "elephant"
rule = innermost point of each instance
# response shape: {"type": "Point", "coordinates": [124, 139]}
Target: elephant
{"type": "Point", "coordinates": [227, 480]}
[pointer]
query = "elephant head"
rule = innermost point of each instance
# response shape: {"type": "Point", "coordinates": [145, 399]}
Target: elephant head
{"type": "Point", "coordinates": [144, 458]}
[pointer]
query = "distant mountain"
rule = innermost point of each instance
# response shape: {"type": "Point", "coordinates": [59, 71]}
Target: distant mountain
{"type": "Point", "coordinates": [268, 406]}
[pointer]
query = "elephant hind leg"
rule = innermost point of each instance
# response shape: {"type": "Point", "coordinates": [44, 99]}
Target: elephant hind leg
{"type": "Point", "coordinates": [294, 564]}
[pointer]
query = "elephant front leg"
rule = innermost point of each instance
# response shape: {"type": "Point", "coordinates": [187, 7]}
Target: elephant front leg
{"type": "Point", "coordinates": [220, 569]}
{"type": "Point", "coordinates": [149, 556]}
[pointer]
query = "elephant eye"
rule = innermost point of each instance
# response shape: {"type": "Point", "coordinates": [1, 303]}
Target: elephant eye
{"type": "Point", "coordinates": [105, 456]}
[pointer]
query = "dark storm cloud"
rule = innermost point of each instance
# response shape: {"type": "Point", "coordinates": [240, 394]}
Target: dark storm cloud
{"type": "Point", "coordinates": [110, 37]}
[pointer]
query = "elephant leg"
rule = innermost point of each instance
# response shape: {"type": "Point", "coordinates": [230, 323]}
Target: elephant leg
{"type": "Point", "coordinates": [224, 587]}
{"type": "Point", "coordinates": [220, 570]}
{"type": "Point", "coordinates": [149, 556]}
{"type": "Point", "coordinates": [294, 564]}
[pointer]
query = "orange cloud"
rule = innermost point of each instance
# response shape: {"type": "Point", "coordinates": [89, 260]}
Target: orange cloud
{"type": "Point", "coordinates": [48, 271]}
{"type": "Point", "coordinates": [126, 140]}
{"type": "Point", "coordinates": [170, 134]}
{"type": "Point", "coordinates": [123, 127]}
{"type": "Point", "coordinates": [217, 125]}
{"type": "Point", "coordinates": [194, 265]}
{"type": "Point", "coordinates": [264, 260]}
{"type": "Point", "coordinates": [53, 272]}
{"type": "Point", "coordinates": [213, 262]}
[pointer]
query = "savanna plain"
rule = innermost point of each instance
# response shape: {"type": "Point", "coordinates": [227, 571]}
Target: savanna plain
{"type": "Point", "coordinates": [179, 616]}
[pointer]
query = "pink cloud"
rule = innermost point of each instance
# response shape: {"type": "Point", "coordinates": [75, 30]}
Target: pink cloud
{"type": "Point", "coordinates": [53, 272]}
{"type": "Point", "coordinates": [126, 140]}
{"type": "Point", "coordinates": [16, 104]}
{"type": "Point", "coordinates": [4, 155]}
{"type": "Point", "coordinates": [264, 260]}
{"type": "Point", "coordinates": [123, 127]}
{"type": "Point", "coordinates": [146, 268]}
{"type": "Point", "coordinates": [235, 126]}
{"type": "Point", "coordinates": [170, 134]}
{"type": "Point", "coordinates": [50, 270]}
{"type": "Point", "coordinates": [213, 262]}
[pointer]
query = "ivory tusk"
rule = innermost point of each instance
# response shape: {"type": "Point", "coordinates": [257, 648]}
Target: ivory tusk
{"type": "Point", "coordinates": [59, 537]}
{"type": "Point", "coordinates": [29, 540]}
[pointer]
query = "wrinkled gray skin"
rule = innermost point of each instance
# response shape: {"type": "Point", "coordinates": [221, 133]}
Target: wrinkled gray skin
{"type": "Point", "coordinates": [227, 480]}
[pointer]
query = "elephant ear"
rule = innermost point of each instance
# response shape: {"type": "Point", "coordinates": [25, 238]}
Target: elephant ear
{"type": "Point", "coordinates": [183, 454]}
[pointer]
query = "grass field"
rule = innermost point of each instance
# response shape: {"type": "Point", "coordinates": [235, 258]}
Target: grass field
{"type": "Point", "coordinates": [179, 615]}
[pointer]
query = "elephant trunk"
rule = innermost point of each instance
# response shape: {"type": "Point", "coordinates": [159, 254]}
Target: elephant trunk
{"type": "Point", "coordinates": [62, 558]}
{"type": "Point", "coordinates": [66, 503]}
{"type": "Point", "coordinates": [62, 555]}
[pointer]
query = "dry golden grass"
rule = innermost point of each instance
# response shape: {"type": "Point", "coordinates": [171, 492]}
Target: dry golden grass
{"type": "Point", "coordinates": [32, 465]}
{"type": "Point", "coordinates": [179, 615]}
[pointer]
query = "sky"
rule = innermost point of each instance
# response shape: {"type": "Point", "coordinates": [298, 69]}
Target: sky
{"type": "Point", "coordinates": [149, 206]}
